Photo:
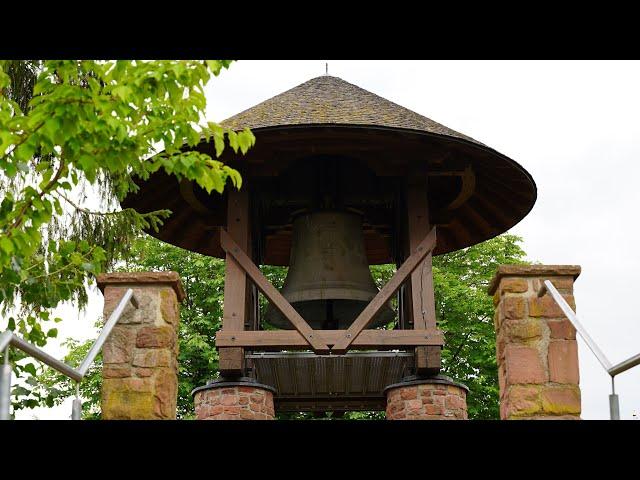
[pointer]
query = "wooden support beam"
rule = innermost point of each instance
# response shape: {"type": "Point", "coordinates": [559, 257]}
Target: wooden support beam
{"type": "Point", "coordinates": [468, 187]}
{"type": "Point", "coordinates": [290, 339]}
{"type": "Point", "coordinates": [235, 281]}
{"type": "Point", "coordinates": [231, 359]}
{"type": "Point", "coordinates": [422, 304]}
{"type": "Point", "coordinates": [422, 297]}
{"type": "Point", "coordinates": [272, 294]}
{"type": "Point", "coordinates": [384, 295]}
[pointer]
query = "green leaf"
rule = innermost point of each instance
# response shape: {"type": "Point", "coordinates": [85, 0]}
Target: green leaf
{"type": "Point", "coordinates": [218, 140]}
{"type": "Point", "coordinates": [30, 368]}
{"type": "Point", "coordinates": [20, 391]}
{"type": "Point", "coordinates": [246, 139]}
{"type": "Point", "coordinates": [42, 166]}
{"type": "Point", "coordinates": [25, 151]}
{"type": "Point", "coordinates": [233, 140]}
{"type": "Point", "coordinates": [76, 258]}
{"type": "Point", "coordinates": [122, 91]}
{"type": "Point", "coordinates": [215, 66]}
{"type": "Point", "coordinates": [33, 381]}
{"type": "Point", "coordinates": [6, 244]}
{"type": "Point", "coordinates": [236, 179]}
{"type": "Point", "coordinates": [89, 267]}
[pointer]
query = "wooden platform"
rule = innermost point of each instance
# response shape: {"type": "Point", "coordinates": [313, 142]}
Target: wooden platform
{"type": "Point", "coordinates": [306, 382]}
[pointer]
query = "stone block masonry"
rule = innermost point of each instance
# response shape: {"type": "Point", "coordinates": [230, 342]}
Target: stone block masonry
{"type": "Point", "coordinates": [536, 346]}
{"type": "Point", "coordinates": [140, 368]}
{"type": "Point", "coordinates": [234, 400]}
{"type": "Point", "coordinates": [435, 398]}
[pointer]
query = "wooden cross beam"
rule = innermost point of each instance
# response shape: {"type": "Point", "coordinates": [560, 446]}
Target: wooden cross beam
{"type": "Point", "coordinates": [274, 296]}
{"type": "Point", "coordinates": [385, 294]}
{"type": "Point", "coordinates": [368, 339]}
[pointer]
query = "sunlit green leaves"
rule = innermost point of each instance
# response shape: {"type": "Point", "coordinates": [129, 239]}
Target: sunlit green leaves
{"type": "Point", "coordinates": [216, 65]}
{"type": "Point", "coordinates": [243, 140]}
{"type": "Point", "coordinates": [246, 140]}
{"type": "Point", "coordinates": [465, 313]}
{"type": "Point", "coordinates": [87, 121]}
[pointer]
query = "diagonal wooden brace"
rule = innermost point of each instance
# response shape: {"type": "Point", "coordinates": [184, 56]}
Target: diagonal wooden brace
{"type": "Point", "coordinates": [274, 296]}
{"type": "Point", "coordinates": [385, 294]}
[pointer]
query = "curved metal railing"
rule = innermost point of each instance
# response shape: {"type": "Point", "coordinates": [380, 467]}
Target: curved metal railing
{"type": "Point", "coordinates": [9, 339]}
{"type": "Point", "coordinates": [612, 370]}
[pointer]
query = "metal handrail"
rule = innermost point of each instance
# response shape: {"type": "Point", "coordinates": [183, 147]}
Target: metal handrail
{"type": "Point", "coordinates": [612, 370]}
{"type": "Point", "coordinates": [9, 339]}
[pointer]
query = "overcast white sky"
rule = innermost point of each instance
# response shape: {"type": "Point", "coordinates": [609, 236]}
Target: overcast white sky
{"type": "Point", "coordinates": [572, 124]}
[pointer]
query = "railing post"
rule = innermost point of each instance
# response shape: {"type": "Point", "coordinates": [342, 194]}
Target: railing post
{"type": "Point", "coordinates": [5, 387]}
{"type": "Point", "coordinates": [76, 407]}
{"type": "Point", "coordinates": [614, 407]}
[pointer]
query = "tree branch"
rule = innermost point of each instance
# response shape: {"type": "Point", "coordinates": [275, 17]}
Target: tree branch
{"type": "Point", "coordinates": [454, 357]}
{"type": "Point", "coordinates": [86, 210]}
{"type": "Point", "coordinates": [45, 190]}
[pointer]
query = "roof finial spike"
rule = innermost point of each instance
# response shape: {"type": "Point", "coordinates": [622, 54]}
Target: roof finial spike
{"type": "Point", "coordinates": [326, 68]}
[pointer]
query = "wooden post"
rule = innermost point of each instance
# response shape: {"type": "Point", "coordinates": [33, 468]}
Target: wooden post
{"type": "Point", "coordinates": [420, 289]}
{"type": "Point", "coordinates": [231, 359]}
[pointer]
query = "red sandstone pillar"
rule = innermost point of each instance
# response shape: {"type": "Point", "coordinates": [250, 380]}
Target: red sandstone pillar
{"type": "Point", "coordinates": [140, 356]}
{"type": "Point", "coordinates": [435, 398]}
{"type": "Point", "coordinates": [244, 399]}
{"type": "Point", "coordinates": [536, 344]}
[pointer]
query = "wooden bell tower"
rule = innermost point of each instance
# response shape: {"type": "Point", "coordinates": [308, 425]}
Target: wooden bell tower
{"type": "Point", "coordinates": [420, 188]}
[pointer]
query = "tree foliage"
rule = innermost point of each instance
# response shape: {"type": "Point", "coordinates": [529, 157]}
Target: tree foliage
{"type": "Point", "coordinates": [71, 126]}
{"type": "Point", "coordinates": [464, 312]}
{"type": "Point", "coordinates": [463, 308]}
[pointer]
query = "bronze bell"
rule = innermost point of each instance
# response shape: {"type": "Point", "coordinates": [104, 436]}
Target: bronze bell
{"type": "Point", "coordinates": [329, 282]}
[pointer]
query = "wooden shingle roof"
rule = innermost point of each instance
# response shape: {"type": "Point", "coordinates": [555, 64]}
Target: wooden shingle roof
{"type": "Point", "coordinates": [474, 192]}
{"type": "Point", "coordinates": [330, 100]}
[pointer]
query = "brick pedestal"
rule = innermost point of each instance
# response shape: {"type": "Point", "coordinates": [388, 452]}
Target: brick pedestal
{"type": "Point", "coordinates": [536, 344]}
{"type": "Point", "coordinates": [140, 356]}
{"type": "Point", "coordinates": [435, 398]}
{"type": "Point", "coordinates": [244, 399]}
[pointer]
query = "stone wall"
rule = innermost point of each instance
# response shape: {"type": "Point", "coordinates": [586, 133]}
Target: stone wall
{"type": "Point", "coordinates": [140, 356]}
{"type": "Point", "coordinates": [536, 344]}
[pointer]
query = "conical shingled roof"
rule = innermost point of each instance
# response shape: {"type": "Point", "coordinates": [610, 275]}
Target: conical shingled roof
{"type": "Point", "coordinates": [474, 192]}
{"type": "Point", "coordinates": [331, 100]}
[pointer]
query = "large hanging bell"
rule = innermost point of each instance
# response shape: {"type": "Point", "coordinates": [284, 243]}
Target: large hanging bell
{"type": "Point", "coordinates": [329, 282]}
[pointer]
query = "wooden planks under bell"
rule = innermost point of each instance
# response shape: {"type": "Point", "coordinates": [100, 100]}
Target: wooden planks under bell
{"type": "Point", "coordinates": [308, 382]}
